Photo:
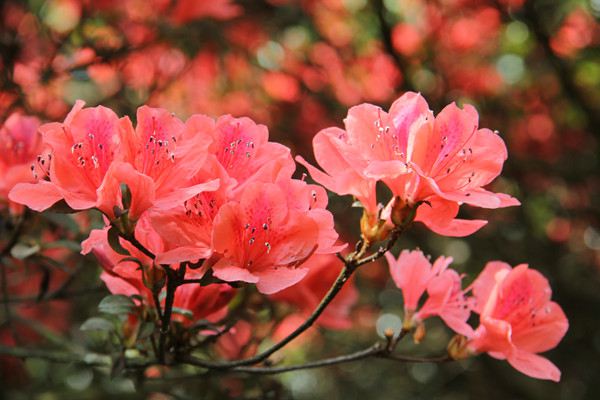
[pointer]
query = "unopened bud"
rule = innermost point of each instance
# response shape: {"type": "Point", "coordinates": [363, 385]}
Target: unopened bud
{"type": "Point", "coordinates": [388, 333]}
{"type": "Point", "coordinates": [408, 324]}
{"type": "Point", "coordinates": [117, 211]}
{"type": "Point", "coordinates": [154, 278]}
{"type": "Point", "coordinates": [420, 332]}
{"type": "Point", "coordinates": [400, 211]}
{"type": "Point", "coordinates": [457, 348]}
{"type": "Point", "coordinates": [372, 228]}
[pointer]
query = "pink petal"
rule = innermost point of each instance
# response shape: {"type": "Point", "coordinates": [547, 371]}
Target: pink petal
{"type": "Point", "coordinates": [545, 332]}
{"type": "Point", "coordinates": [178, 196]}
{"type": "Point", "coordinates": [141, 187]}
{"type": "Point", "coordinates": [407, 114]}
{"type": "Point", "coordinates": [79, 193]}
{"type": "Point", "coordinates": [411, 272]}
{"type": "Point", "coordinates": [227, 271]}
{"type": "Point", "coordinates": [534, 365]}
{"type": "Point", "coordinates": [440, 218]}
{"type": "Point", "coordinates": [483, 285]}
{"type": "Point", "coordinates": [225, 230]}
{"type": "Point", "coordinates": [37, 196]}
{"type": "Point", "coordinates": [117, 285]}
{"type": "Point", "coordinates": [276, 279]}
{"type": "Point", "coordinates": [184, 253]}
{"type": "Point", "coordinates": [385, 169]}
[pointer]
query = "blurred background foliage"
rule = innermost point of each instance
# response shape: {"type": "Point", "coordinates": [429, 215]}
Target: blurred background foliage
{"type": "Point", "coordinates": [531, 67]}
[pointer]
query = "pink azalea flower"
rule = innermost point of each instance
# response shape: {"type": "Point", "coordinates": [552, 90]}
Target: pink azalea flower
{"type": "Point", "coordinates": [239, 153]}
{"type": "Point", "coordinates": [265, 238]}
{"type": "Point", "coordinates": [344, 171]}
{"type": "Point", "coordinates": [186, 230]}
{"type": "Point", "coordinates": [306, 294]}
{"type": "Point", "coordinates": [240, 156]}
{"type": "Point", "coordinates": [444, 161]}
{"type": "Point", "coordinates": [243, 149]}
{"type": "Point", "coordinates": [83, 148]}
{"type": "Point", "coordinates": [164, 153]}
{"type": "Point", "coordinates": [20, 145]}
{"type": "Point", "coordinates": [517, 318]}
{"type": "Point", "coordinates": [414, 275]}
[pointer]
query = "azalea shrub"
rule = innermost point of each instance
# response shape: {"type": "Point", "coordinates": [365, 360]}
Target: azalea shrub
{"type": "Point", "coordinates": [198, 204]}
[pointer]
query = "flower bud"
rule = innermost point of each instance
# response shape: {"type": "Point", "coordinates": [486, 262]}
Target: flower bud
{"type": "Point", "coordinates": [154, 278]}
{"type": "Point", "coordinates": [400, 211]}
{"type": "Point", "coordinates": [372, 228]}
{"type": "Point", "coordinates": [457, 348]}
{"type": "Point", "coordinates": [420, 332]}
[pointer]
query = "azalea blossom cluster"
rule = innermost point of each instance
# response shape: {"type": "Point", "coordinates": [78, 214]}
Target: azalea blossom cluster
{"type": "Point", "coordinates": [197, 211]}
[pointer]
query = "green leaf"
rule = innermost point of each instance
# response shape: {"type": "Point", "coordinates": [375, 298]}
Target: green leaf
{"type": "Point", "coordinates": [185, 313]}
{"type": "Point", "coordinates": [21, 251]}
{"type": "Point", "coordinates": [116, 304]}
{"type": "Point", "coordinates": [146, 330]}
{"type": "Point", "coordinates": [63, 244]}
{"type": "Point", "coordinates": [97, 324]}
{"type": "Point", "coordinates": [115, 244]}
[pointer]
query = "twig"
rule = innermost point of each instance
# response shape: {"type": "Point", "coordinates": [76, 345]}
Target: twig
{"type": "Point", "coordinates": [374, 350]}
{"type": "Point", "coordinates": [377, 350]}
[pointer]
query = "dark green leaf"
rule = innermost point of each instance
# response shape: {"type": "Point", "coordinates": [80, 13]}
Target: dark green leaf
{"type": "Point", "coordinates": [131, 259]}
{"type": "Point", "coordinates": [116, 304]}
{"type": "Point", "coordinates": [185, 313]}
{"type": "Point", "coordinates": [97, 324]}
{"type": "Point", "coordinates": [146, 330]}
{"type": "Point", "coordinates": [115, 244]}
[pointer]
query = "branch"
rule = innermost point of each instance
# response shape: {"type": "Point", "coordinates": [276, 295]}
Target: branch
{"type": "Point", "coordinates": [377, 351]}
{"type": "Point", "coordinates": [374, 350]}
{"type": "Point", "coordinates": [333, 291]}
{"type": "Point", "coordinates": [173, 281]}
{"type": "Point", "coordinates": [394, 235]}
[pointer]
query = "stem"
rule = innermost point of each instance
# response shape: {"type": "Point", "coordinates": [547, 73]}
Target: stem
{"type": "Point", "coordinates": [131, 239]}
{"type": "Point", "coordinates": [172, 284]}
{"type": "Point", "coordinates": [394, 235]}
{"type": "Point", "coordinates": [377, 350]}
{"type": "Point", "coordinates": [368, 352]}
